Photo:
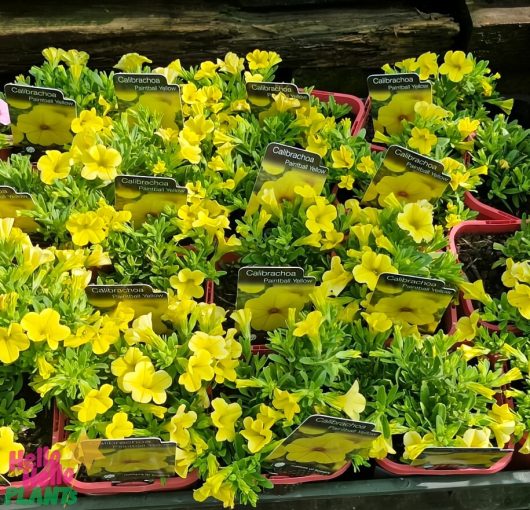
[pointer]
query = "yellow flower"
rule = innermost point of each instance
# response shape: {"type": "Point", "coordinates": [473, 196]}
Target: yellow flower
{"type": "Point", "coordinates": [310, 325]}
{"type": "Point", "coordinates": [257, 435]}
{"type": "Point", "coordinates": [189, 152]}
{"type": "Point", "coordinates": [371, 266]}
{"type": "Point", "coordinates": [54, 165]}
{"type": "Point", "coordinates": [188, 283]}
{"type": "Point", "coordinates": [179, 425]}
{"type": "Point", "coordinates": [207, 70]}
{"type": "Point", "coordinates": [516, 272]}
{"type": "Point", "coordinates": [270, 310]}
{"type": "Point", "coordinates": [13, 340]}
{"type": "Point", "coordinates": [258, 59]}
{"type": "Point", "coordinates": [8, 448]}
{"type": "Point", "coordinates": [145, 384]}
{"type": "Point", "coordinates": [415, 444]}
{"type": "Point", "coordinates": [503, 425]}
{"type": "Point", "coordinates": [183, 461]}
{"type": "Point", "coordinates": [53, 55]}
{"type": "Point", "coordinates": [199, 368]}
{"type": "Point", "coordinates": [409, 187]}
{"type": "Point", "coordinates": [428, 65]}
{"type": "Point", "coordinates": [325, 449]}
{"type": "Point", "coordinates": [286, 402]}
{"type": "Point", "coordinates": [346, 182]}
{"type": "Point", "coordinates": [35, 257]}
{"type": "Point", "coordinates": [342, 158]}
{"type": "Point", "coordinates": [45, 325]}
{"type": "Point", "coordinates": [88, 119]}
{"type": "Point", "coordinates": [216, 487]}
{"type": "Point", "coordinates": [411, 307]}
{"type": "Point", "coordinates": [381, 447]}
{"type": "Point", "coordinates": [120, 427]}
{"type": "Point", "coordinates": [466, 126]}
{"type": "Point", "coordinates": [268, 415]}
{"type": "Point", "coordinates": [331, 240]}
{"type": "Point", "coordinates": [431, 111]}
{"type": "Point", "coordinates": [456, 65]}
{"type": "Point", "coordinates": [45, 369]}
{"type": "Point", "coordinates": [352, 402]}
{"type": "Point", "coordinates": [44, 126]}
{"type": "Point", "coordinates": [213, 344]}
{"type": "Point", "coordinates": [126, 364]}
{"type": "Point", "coordinates": [282, 103]}
{"type": "Point", "coordinates": [197, 129]}
{"type": "Point", "coordinates": [100, 162]}
{"type": "Point", "coordinates": [335, 280]}
{"type": "Point", "coordinates": [416, 219]}
{"type": "Point", "coordinates": [95, 402]}
{"type": "Point", "coordinates": [367, 165]}
{"type": "Point", "coordinates": [466, 327]}
{"type": "Point", "coordinates": [477, 438]}
{"type": "Point", "coordinates": [132, 63]}
{"type": "Point", "coordinates": [86, 228]}
{"type": "Point", "coordinates": [407, 64]}
{"type": "Point", "coordinates": [475, 291]}
{"type": "Point", "coordinates": [377, 322]}
{"type": "Point", "coordinates": [519, 297]}
{"type": "Point", "coordinates": [231, 64]}
{"type": "Point", "coordinates": [422, 139]}
{"type": "Point", "coordinates": [320, 217]}
{"type": "Point", "coordinates": [317, 144]}
{"type": "Point", "coordinates": [224, 418]}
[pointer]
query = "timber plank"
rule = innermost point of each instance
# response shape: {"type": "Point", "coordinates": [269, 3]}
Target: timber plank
{"type": "Point", "coordinates": [361, 37]}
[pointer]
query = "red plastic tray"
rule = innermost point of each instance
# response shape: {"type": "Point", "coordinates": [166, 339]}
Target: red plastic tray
{"type": "Point", "coordinates": [357, 106]}
{"type": "Point", "coordinates": [480, 227]}
{"type": "Point", "coordinates": [486, 212]}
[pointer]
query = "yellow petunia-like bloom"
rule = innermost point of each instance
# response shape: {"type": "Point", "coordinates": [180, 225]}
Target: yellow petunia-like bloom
{"type": "Point", "coordinates": [100, 162]}
{"type": "Point", "coordinates": [519, 297]}
{"type": "Point", "coordinates": [95, 402]}
{"type": "Point", "coordinates": [13, 340]}
{"type": "Point", "coordinates": [127, 363]}
{"type": "Point", "coordinates": [427, 65]}
{"type": "Point", "coordinates": [394, 113]}
{"type": "Point", "coordinates": [371, 266]}
{"type": "Point", "coordinates": [377, 322]}
{"type": "Point", "coordinates": [342, 158]}
{"type": "Point", "coordinates": [132, 63]}
{"type": "Point", "coordinates": [477, 438]}
{"type": "Point", "coordinates": [224, 417]}
{"type": "Point", "coordinates": [286, 402]}
{"type": "Point", "coordinates": [335, 280]}
{"type": "Point", "coordinates": [8, 448]}
{"type": "Point", "coordinates": [422, 140]}
{"type": "Point", "coordinates": [213, 344]}
{"type": "Point", "coordinates": [310, 325]}
{"type": "Point", "coordinates": [257, 435]}
{"type": "Point", "coordinates": [475, 291]}
{"type": "Point", "coordinates": [456, 65]}
{"type": "Point", "coordinates": [179, 425]}
{"type": "Point", "coordinates": [120, 427]}
{"type": "Point", "coordinates": [416, 219]}
{"type": "Point", "coordinates": [198, 369]}
{"type": "Point", "coordinates": [45, 326]}
{"type": "Point", "coordinates": [415, 444]}
{"type": "Point", "coordinates": [188, 283]}
{"type": "Point", "coordinates": [146, 384]}
{"type": "Point", "coordinates": [352, 402]}
{"type": "Point", "coordinates": [320, 217]}
{"type": "Point", "coordinates": [88, 119]}
{"type": "Point", "coordinates": [54, 165]}
{"type": "Point", "coordinates": [503, 425]}
{"type": "Point", "coordinates": [86, 228]}
{"type": "Point", "coordinates": [259, 59]}
{"type": "Point", "coordinates": [466, 126]}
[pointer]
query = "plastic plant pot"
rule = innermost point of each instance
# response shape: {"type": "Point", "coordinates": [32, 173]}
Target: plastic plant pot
{"type": "Point", "coordinates": [111, 488]}
{"type": "Point", "coordinates": [481, 227]}
{"type": "Point", "coordinates": [356, 104]}
{"type": "Point", "coordinates": [486, 212]}
{"type": "Point", "coordinates": [296, 480]}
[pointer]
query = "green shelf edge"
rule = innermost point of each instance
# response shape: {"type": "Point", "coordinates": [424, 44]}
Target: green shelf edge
{"type": "Point", "coordinates": [508, 490]}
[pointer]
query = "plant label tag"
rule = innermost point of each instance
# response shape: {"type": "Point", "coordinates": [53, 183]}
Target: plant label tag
{"type": "Point", "coordinates": [269, 292]}
{"type": "Point", "coordinates": [411, 300]}
{"type": "Point", "coordinates": [11, 202]}
{"type": "Point", "coordinates": [41, 117]}
{"type": "Point", "coordinates": [393, 98]}
{"type": "Point", "coordinates": [142, 298]}
{"type": "Point", "coordinates": [261, 95]}
{"type": "Point", "coordinates": [147, 195]}
{"type": "Point", "coordinates": [283, 170]}
{"type": "Point", "coordinates": [459, 457]}
{"type": "Point", "coordinates": [321, 445]}
{"type": "Point", "coordinates": [409, 176]}
{"type": "Point", "coordinates": [150, 91]}
{"type": "Point", "coordinates": [127, 460]}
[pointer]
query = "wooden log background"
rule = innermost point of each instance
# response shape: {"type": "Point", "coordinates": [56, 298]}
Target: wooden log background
{"type": "Point", "coordinates": [331, 44]}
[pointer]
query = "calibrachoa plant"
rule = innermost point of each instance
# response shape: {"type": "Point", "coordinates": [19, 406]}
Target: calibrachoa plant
{"type": "Point", "coordinates": [191, 375]}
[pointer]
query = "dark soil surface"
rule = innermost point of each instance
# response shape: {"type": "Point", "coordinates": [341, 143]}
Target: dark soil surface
{"type": "Point", "coordinates": [477, 255]}
{"type": "Point", "coordinates": [482, 195]}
